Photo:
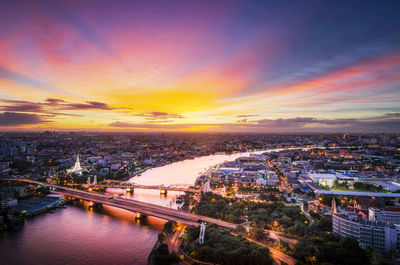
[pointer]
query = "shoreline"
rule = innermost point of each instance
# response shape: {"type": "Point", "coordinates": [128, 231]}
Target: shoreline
{"type": "Point", "coordinates": [245, 153]}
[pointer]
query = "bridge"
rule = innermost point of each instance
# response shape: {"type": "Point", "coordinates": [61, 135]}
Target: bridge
{"type": "Point", "coordinates": [133, 205]}
{"type": "Point", "coordinates": [133, 186]}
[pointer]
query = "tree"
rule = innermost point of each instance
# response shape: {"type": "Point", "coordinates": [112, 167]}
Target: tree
{"type": "Point", "coordinates": [161, 237]}
{"type": "Point", "coordinates": [162, 256]}
{"type": "Point", "coordinates": [221, 247]}
{"type": "Point", "coordinates": [240, 229]}
{"type": "Point", "coordinates": [168, 227]}
{"type": "Point", "coordinates": [206, 253]}
{"type": "Point", "coordinates": [332, 250]}
{"type": "Point", "coordinates": [257, 234]}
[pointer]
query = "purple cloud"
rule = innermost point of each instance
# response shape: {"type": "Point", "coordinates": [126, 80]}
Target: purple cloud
{"type": "Point", "coordinates": [292, 125]}
{"type": "Point", "coordinates": [51, 105]}
{"type": "Point", "coordinates": [83, 106]}
{"type": "Point", "coordinates": [16, 119]}
{"type": "Point", "coordinates": [156, 115]}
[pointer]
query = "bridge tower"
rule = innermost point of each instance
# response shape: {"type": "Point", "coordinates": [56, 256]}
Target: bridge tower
{"type": "Point", "coordinates": [139, 215]}
{"type": "Point", "coordinates": [163, 190]}
{"type": "Point", "coordinates": [202, 233]}
{"type": "Point", "coordinates": [95, 204]}
{"type": "Point", "coordinates": [95, 180]}
{"type": "Point", "coordinates": [88, 181]}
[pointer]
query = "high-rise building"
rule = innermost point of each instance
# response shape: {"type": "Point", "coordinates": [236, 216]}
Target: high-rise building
{"type": "Point", "coordinates": [382, 238]}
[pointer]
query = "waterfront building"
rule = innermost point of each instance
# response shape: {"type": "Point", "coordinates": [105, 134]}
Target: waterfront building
{"type": "Point", "coordinates": [228, 170]}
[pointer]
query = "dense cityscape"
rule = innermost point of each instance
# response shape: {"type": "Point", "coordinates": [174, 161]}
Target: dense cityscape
{"type": "Point", "coordinates": [199, 132]}
{"type": "Point", "coordinates": [300, 199]}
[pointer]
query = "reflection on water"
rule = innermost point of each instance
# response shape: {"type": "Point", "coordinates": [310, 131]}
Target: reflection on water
{"type": "Point", "coordinates": [82, 235]}
{"type": "Point", "coordinates": [104, 235]}
{"type": "Point", "coordinates": [150, 196]}
{"type": "Point", "coordinates": [185, 172]}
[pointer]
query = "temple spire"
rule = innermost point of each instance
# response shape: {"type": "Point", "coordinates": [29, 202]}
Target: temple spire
{"type": "Point", "coordinates": [77, 167]}
{"type": "Point", "coordinates": [334, 211]}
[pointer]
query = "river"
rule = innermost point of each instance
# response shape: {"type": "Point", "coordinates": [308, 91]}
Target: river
{"type": "Point", "coordinates": [79, 235]}
{"type": "Point", "coordinates": [186, 171]}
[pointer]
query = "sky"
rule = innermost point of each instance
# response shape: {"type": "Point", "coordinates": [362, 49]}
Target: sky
{"type": "Point", "coordinates": [218, 66]}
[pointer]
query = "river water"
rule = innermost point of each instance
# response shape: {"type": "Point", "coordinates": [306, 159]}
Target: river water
{"type": "Point", "coordinates": [79, 235]}
{"type": "Point", "coordinates": [185, 172]}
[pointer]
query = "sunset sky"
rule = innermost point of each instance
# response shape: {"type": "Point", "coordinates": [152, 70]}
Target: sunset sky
{"type": "Point", "coordinates": [225, 66]}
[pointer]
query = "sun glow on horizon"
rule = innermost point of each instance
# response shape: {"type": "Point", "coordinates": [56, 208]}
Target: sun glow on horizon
{"type": "Point", "coordinates": [249, 67]}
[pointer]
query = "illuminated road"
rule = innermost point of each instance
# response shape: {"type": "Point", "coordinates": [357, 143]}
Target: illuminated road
{"type": "Point", "coordinates": [281, 236]}
{"type": "Point", "coordinates": [156, 211]}
{"type": "Point", "coordinates": [276, 254]}
{"type": "Point", "coordinates": [306, 213]}
{"type": "Point", "coordinates": [134, 205]}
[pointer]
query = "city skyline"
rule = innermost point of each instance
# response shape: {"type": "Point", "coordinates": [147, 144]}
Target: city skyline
{"type": "Point", "coordinates": [200, 66]}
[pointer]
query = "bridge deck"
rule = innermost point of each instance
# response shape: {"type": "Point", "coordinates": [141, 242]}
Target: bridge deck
{"type": "Point", "coordinates": [134, 205]}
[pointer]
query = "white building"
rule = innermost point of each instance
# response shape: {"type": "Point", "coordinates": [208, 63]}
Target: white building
{"type": "Point", "coordinates": [230, 170]}
{"type": "Point", "coordinates": [322, 179]}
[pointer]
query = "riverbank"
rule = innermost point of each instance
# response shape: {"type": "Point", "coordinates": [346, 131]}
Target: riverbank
{"type": "Point", "coordinates": [187, 171]}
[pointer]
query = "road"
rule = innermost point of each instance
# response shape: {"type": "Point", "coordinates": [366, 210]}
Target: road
{"type": "Point", "coordinates": [280, 236]}
{"type": "Point", "coordinates": [157, 211]}
{"type": "Point", "coordinates": [276, 254]}
{"type": "Point", "coordinates": [306, 214]}
{"type": "Point", "coordinates": [301, 205]}
{"type": "Point", "coordinates": [134, 205]}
